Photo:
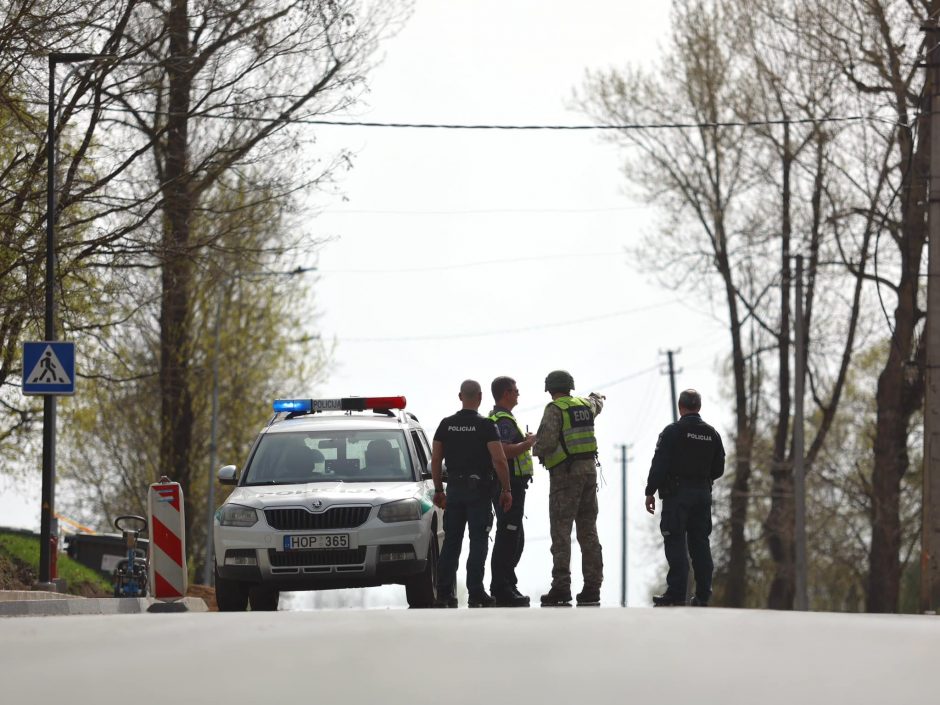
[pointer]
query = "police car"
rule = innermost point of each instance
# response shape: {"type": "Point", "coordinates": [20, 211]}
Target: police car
{"type": "Point", "coordinates": [336, 493]}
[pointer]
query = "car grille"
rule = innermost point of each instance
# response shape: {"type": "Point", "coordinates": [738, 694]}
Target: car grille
{"type": "Point", "coordinates": [289, 559]}
{"type": "Point", "coordinates": [332, 518]}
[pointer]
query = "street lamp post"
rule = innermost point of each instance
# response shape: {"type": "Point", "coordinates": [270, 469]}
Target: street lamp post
{"type": "Point", "coordinates": [207, 575]}
{"type": "Point", "coordinates": [49, 401]}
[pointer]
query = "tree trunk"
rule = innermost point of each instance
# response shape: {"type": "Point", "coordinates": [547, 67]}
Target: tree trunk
{"type": "Point", "coordinates": [175, 392]}
{"type": "Point", "coordinates": [900, 384]}
{"type": "Point", "coordinates": [884, 567]}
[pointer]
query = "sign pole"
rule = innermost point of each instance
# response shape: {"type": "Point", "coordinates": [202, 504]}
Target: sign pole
{"type": "Point", "coordinates": [49, 401]}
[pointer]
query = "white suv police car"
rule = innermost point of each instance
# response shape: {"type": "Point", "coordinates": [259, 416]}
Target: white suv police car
{"type": "Point", "coordinates": [336, 493]}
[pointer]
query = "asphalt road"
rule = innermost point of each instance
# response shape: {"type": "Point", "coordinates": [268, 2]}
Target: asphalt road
{"type": "Point", "coordinates": [569, 656]}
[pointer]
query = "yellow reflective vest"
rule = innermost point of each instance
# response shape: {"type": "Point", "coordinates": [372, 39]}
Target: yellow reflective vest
{"type": "Point", "coordinates": [522, 465]}
{"type": "Point", "coordinates": [577, 432]}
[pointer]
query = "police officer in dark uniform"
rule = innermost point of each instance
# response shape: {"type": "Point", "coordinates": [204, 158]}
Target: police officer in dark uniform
{"type": "Point", "coordinates": [510, 534]}
{"type": "Point", "coordinates": [689, 457]}
{"type": "Point", "coordinates": [470, 445]}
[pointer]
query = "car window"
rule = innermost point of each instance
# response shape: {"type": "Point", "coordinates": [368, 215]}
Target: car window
{"type": "Point", "coordinates": [424, 442]}
{"type": "Point", "coordinates": [419, 448]}
{"type": "Point", "coordinates": [330, 456]}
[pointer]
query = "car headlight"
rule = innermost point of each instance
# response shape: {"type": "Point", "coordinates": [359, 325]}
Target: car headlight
{"type": "Point", "coordinates": [237, 515]}
{"type": "Point", "coordinates": [403, 510]}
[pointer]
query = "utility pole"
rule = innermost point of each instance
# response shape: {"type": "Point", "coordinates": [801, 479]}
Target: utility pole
{"type": "Point", "coordinates": [672, 382]}
{"type": "Point", "coordinates": [801, 599]}
{"type": "Point", "coordinates": [930, 509]}
{"type": "Point", "coordinates": [624, 448]}
{"type": "Point", "coordinates": [208, 576]}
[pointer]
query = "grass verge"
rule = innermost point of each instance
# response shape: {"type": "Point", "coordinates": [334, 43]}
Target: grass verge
{"type": "Point", "coordinates": [21, 554]}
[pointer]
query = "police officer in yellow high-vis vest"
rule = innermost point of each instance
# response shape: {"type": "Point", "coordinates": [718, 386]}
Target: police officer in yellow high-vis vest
{"type": "Point", "coordinates": [566, 445]}
{"type": "Point", "coordinates": [510, 537]}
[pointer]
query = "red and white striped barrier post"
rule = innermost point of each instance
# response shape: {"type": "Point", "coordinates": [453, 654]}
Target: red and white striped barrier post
{"type": "Point", "coordinates": [168, 574]}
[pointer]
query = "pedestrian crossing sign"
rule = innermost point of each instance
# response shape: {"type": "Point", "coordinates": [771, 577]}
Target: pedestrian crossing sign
{"type": "Point", "coordinates": [49, 368]}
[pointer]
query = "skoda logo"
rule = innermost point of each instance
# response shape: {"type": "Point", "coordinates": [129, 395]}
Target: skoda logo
{"type": "Point", "coordinates": [317, 504]}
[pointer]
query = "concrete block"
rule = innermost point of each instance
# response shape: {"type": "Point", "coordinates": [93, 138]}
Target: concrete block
{"type": "Point", "coordinates": [60, 605]}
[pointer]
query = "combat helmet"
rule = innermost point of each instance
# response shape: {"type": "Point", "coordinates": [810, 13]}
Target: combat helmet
{"type": "Point", "coordinates": [559, 381]}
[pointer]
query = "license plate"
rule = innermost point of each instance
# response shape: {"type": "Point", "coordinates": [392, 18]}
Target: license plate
{"type": "Point", "coordinates": [307, 542]}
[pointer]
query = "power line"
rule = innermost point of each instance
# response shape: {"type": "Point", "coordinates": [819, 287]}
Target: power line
{"type": "Point", "coordinates": [619, 380]}
{"type": "Point", "coordinates": [517, 127]}
{"type": "Point", "coordinates": [624, 126]}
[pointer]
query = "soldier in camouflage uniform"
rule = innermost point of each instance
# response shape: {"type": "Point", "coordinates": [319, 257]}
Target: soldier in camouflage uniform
{"type": "Point", "coordinates": [565, 444]}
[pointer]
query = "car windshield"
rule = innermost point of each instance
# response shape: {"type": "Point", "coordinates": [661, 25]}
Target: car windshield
{"type": "Point", "coordinates": [330, 456]}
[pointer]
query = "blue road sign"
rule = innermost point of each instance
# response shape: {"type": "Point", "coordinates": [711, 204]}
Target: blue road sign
{"type": "Point", "coordinates": [49, 368]}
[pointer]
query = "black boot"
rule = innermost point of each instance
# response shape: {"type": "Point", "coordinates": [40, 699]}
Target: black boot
{"type": "Point", "coordinates": [666, 600]}
{"type": "Point", "coordinates": [556, 598]}
{"type": "Point", "coordinates": [511, 598]}
{"type": "Point", "coordinates": [480, 599]}
{"type": "Point", "coordinates": [589, 597]}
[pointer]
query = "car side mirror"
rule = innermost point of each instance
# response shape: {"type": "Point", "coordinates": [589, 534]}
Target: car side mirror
{"type": "Point", "coordinates": [426, 473]}
{"type": "Point", "coordinates": [228, 475]}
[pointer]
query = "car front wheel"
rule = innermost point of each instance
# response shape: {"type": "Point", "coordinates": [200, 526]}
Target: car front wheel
{"type": "Point", "coordinates": [421, 589]}
{"type": "Point", "coordinates": [263, 599]}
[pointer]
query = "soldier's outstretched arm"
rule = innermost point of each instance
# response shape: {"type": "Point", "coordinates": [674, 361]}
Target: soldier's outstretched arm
{"type": "Point", "coordinates": [596, 400]}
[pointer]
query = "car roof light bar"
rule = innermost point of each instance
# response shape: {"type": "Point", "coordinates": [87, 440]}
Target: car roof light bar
{"type": "Point", "coordinates": [302, 406]}
{"type": "Point", "coordinates": [297, 406]}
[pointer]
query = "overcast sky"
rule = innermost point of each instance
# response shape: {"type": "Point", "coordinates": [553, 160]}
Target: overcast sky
{"type": "Point", "coordinates": [472, 254]}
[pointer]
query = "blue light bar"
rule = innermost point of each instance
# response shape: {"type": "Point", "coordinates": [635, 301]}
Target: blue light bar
{"type": "Point", "coordinates": [305, 406]}
{"type": "Point", "coordinates": [289, 405]}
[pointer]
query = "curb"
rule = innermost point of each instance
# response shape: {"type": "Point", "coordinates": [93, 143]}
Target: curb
{"type": "Point", "coordinates": [54, 604]}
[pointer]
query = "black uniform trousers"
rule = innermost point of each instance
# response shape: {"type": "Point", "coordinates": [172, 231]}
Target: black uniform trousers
{"type": "Point", "coordinates": [686, 524]}
{"type": "Point", "coordinates": [509, 541]}
{"type": "Point", "coordinates": [466, 507]}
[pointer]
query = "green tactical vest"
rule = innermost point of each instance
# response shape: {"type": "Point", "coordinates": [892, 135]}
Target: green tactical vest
{"type": "Point", "coordinates": [577, 432]}
{"type": "Point", "coordinates": [522, 464]}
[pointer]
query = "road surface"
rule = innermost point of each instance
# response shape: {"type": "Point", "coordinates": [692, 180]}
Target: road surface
{"type": "Point", "coordinates": [571, 656]}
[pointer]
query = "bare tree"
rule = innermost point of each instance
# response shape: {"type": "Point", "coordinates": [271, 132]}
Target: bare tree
{"type": "Point", "coordinates": [876, 45]}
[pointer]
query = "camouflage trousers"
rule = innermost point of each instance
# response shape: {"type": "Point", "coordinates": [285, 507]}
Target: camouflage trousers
{"type": "Point", "coordinates": [572, 498]}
